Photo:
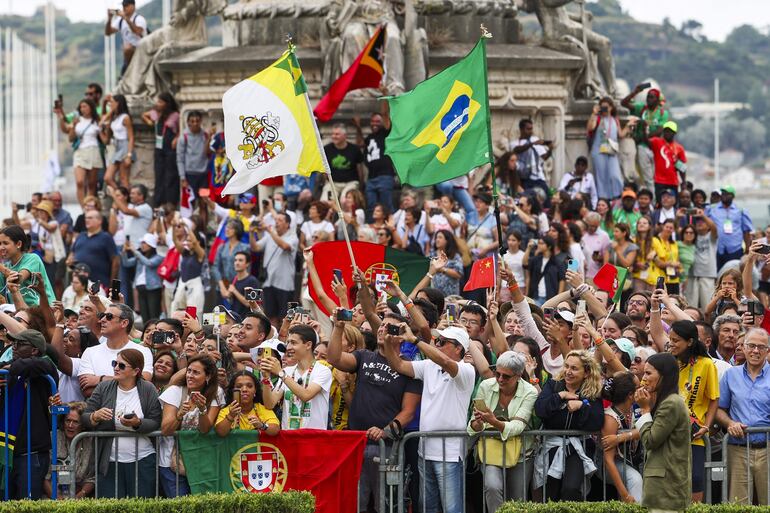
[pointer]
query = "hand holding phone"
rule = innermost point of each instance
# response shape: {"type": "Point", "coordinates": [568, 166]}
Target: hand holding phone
{"type": "Point", "coordinates": [115, 290]}
{"type": "Point", "coordinates": [480, 405]}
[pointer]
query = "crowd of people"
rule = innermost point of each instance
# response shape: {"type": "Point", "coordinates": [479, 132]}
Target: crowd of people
{"type": "Point", "coordinates": [155, 313]}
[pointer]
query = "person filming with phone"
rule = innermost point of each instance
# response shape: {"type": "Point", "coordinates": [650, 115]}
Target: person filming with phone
{"type": "Point", "coordinates": [132, 27]}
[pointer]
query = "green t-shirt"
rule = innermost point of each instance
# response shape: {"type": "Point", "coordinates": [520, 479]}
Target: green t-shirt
{"type": "Point", "coordinates": [686, 257]}
{"type": "Point", "coordinates": [619, 215]}
{"type": "Point", "coordinates": [32, 263]}
{"type": "Point", "coordinates": [655, 119]}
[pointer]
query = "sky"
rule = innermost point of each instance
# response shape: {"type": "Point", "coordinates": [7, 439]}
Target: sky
{"type": "Point", "coordinates": [717, 16]}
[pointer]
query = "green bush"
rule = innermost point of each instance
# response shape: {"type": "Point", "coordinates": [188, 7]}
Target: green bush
{"type": "Point", "coordinates": [616, 507]}
{"type": "Point", "coordinates": [288, 502]}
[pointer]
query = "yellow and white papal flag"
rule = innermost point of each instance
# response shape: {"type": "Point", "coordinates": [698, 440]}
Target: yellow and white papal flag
{"type": "Point", "coordinates": [269, 126]}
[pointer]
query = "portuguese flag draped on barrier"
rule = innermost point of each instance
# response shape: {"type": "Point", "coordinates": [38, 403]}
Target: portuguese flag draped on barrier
{"type": "Point", "coordinates": [378, 262]}
{"type": "Point", "coordinates": [327, 463]}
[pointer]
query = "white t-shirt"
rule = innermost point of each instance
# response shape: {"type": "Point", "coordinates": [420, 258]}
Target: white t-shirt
{"type": "Point", "coordinates": [97, 360]}
{"type": "Point", "coordinates": [314, 415]}
{"type": "Point", "coordinates": [444, 407]}
{"type": "Point", "coordinates": [173, 396]}
{"type": "Point", "coordinates": [309, 228]}
{"type": "Point", "coordinates": [440, 222]}
{"type": "Point", "coordinates": [514, 261]}
{"type": "Point", "coordinates": [552, 365]}
{"type": "Point", "coordinates": [69, 386]}
{"type": "Point", "coordinates": [136, 227]}
{"type": "Point", "coordinates": [128, 35]}
{"type": "Point", "coordinates": [127, 401]}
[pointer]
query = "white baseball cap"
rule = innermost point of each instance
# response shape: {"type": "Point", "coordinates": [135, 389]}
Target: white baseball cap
{"type": "Point", "coordinates": [454, 333]}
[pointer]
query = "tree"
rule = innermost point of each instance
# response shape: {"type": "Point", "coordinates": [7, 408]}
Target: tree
{"type": "Point", "coordinates": [745, 135]}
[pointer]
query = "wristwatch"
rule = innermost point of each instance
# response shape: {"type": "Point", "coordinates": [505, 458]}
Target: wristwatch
{"type": "Point", "coordinates": [282, 374]}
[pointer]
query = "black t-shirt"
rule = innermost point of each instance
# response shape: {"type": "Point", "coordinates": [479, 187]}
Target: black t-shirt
{"type": "Point", "coordinates": [240, 286]}
{"type": "Point", "coordinates": [379, 391]}
{"type": "Point", "coordinates": [344, 162]}
{"type": "Point", "coordinates": [378, 163]}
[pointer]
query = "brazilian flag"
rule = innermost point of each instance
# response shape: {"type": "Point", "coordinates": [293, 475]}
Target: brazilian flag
{"type": "Point", "coordinates": [441, 128]}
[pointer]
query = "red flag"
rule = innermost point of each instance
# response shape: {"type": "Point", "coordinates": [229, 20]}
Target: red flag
{"type": "Point", "coordinates": [482, 275]}
{"type": "Point", "coordinates": [378, 262]}
{"type": "Point", "coordinates": [327, 463]}
{"type": "Point", "coordinates": [366, 71]}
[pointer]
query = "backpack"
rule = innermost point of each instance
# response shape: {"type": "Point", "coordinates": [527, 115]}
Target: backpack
{"type": "Point", "coordinates": [527, 166]}
{"type": "Point", "coordinates": [413, 246]}
{"type": "Point", "coordinates": [169, 269]}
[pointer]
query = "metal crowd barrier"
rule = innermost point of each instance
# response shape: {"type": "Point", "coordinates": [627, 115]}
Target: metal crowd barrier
{"type": "Point", "coordinates": [749, 480]}
{"type": "Point", "coordinates": [156, 435]}
{"type": "Point", "coordinates": [55, 410]}
{"type": "Point", "coordinates": [394, 467]}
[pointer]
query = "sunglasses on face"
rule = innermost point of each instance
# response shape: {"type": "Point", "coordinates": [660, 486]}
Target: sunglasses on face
{"type": "Point", "coordinates": [441, 342]}
{"type": "Point", "coordinates": [108, 315]}
{"type": "Point", "coordinates": [20, 343]}
{"type": "Point", "coordinates": [19, 319]}
{"type": "Point", "coordinates": [119, 365]}
{"type": "Point", "coordinates": [503, 376]}
{"type": "Point", "coordinates": [638, 360]}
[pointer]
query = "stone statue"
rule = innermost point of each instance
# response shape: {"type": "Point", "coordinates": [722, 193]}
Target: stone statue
{"type": "Point", "coordinates": [350, 24]}
{"type": "Point", "coordinates": [187, 29]}
{"type": "Point", "coordinates": [563, 32]}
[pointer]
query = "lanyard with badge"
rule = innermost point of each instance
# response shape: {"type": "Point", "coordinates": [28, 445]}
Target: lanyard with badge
{"type": "Point", "coordinates": [298, 409]}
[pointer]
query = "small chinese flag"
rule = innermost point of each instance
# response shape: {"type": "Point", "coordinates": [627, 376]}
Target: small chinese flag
{"type": "Point", "coordinates": [482, 275]}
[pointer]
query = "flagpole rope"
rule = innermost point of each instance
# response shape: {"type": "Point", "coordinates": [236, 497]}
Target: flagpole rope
{"type": "Point", "coordinates": [503, 249]}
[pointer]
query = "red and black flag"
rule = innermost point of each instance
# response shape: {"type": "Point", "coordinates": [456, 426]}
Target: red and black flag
{"type": "Point", "coordinates": [365, 72]}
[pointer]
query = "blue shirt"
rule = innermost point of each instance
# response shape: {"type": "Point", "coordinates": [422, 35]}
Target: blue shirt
{"type": "Point", "coordinates": [97, 251]}
{"type": "Point", "coordinates": [741, 223]}
{"type": "Point", "coordinates": [746, 401]}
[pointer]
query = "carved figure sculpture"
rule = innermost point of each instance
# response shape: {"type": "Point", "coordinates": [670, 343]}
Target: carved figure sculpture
{"type": "Point", "coordinates": [187, 28]}
{"type": "Point", "coordinates": [350, 24]}
{"type": "Point", "coordinates": [567, 33]}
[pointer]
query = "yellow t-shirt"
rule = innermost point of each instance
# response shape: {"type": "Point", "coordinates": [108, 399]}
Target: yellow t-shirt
{"type": "Point", "coordinates": [668, 252]}
{"type": "Point", "coordinates": [340, 410]}
{"type": "Point", "coordinates": [265, 415]}
{"type": "Point", "coordinates": [700, 390]}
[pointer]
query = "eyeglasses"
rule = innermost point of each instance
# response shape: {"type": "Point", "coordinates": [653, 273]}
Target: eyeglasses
{"type": "Point", "coordinates": [20, 343]}
{"type": "Point", "coordinates": [471, 322]}
{"type": "Point", "coordinates": [441, 342]}
{"type": "Point", "coordinates": [120, 365]}
{"type": "Point", "coordinates": [503, 377]}
{"type": "Point", "coordinates": [755, 347]}
{"type": "Point", "coordinates": [640, 302]}
{"type": "Point", "coordinates": [107, 315]}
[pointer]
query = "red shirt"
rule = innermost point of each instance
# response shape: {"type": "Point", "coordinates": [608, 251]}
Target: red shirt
{"type": "Point", "coordinates": [666, 156]}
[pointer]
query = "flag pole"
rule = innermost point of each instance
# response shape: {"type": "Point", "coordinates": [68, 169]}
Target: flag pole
{"type": "Point", "coordinates": [495, 194]}
{"type": "Point", "coordinates": [327, 169]}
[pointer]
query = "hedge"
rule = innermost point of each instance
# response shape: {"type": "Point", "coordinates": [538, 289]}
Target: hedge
{"type": "Point", "coordinates": [287, 502]}
{"type": "Point", "coordinates": [617, 507]}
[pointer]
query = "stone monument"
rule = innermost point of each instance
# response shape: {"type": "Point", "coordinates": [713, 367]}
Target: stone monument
{"type": "Point", "coordinates": [549, 82]}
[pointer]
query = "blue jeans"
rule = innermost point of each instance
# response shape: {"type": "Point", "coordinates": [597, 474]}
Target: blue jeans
{"type": "Point", "coordinates": [38, 465]}
{"type": "Point", "coordinates": [442, 488]}
{"type": "Point", "coordinates": [379, 190]}
{"type": "Point", "coordinates": [168, 483]}
{"type": "Point", "coordinates": [463, 197]}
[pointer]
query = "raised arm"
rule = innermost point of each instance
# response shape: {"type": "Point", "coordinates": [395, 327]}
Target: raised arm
{"type": "Point", "coordinates": [338, 358]}
{"type": "Point", "coordinates": [312, 273]}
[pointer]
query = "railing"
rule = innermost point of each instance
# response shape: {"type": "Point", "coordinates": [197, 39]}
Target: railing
{"type": "Point", "coordinates": [750, 447]}
{"type": "Point", "coordinates": [55, 411]}
{"type": "Point", "coordinates": [395, 470]}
